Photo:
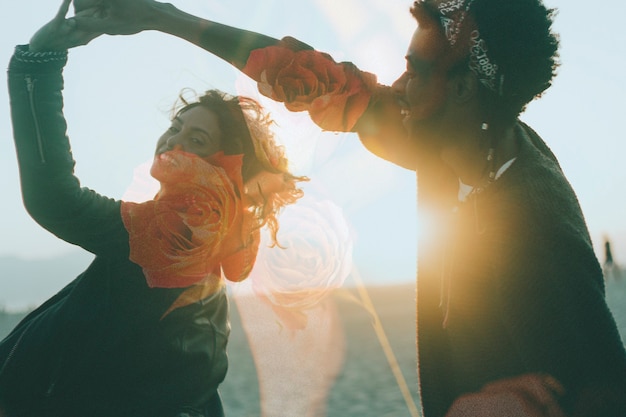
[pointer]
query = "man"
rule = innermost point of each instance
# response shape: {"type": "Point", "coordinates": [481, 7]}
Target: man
{"type": "Point", "coordinates": [511, 318]}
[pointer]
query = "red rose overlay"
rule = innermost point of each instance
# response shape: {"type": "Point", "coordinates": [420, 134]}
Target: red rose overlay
{"type": "Point", "coordinates": [195, 226]}
{"type": "Point", "coordinates": [334, 94]}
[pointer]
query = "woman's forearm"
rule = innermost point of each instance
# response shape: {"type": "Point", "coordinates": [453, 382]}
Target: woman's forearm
{"type": "Point", "coordinates": [229, 43]}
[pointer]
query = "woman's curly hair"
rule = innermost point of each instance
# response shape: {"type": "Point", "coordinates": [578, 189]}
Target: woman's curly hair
{"type": "Point", "coordinates": [246, 129]}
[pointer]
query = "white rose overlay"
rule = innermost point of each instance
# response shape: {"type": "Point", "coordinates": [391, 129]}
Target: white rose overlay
{"type": "Point", "coordinates": [291, 322]}
{"type": "Point", "coordinates": [315, 257]}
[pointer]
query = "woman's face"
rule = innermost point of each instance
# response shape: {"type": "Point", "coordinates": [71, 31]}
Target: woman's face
{"type": "Point", "coordinates": [195, 130]}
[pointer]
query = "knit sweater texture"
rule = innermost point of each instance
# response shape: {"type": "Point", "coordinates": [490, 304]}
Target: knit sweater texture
{"type": "Point", "coordinates": [511, 285]}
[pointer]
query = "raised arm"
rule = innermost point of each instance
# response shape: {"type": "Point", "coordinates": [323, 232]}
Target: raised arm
{"type": "Point", "coordinates": [124, 17]}
{"type": "Point", "coordinates": [51, 192]}
{"type": "Point", "coordinates": [338, 96]}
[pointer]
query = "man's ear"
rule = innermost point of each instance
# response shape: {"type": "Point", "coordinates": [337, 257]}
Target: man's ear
{"type": "Point", "coordinates": [463, 86]}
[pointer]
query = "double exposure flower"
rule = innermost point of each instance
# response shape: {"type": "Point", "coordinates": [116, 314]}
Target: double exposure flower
{"type": "Point", "coordinates": [334, 94]}
{"type": "Point", "coordinates": [196, 220]}
{"type": "Point", "coordinates": [315, 258]}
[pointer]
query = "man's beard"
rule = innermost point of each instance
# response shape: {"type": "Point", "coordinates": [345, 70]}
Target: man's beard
{"type": "Point", "coordinates": [426, 133]}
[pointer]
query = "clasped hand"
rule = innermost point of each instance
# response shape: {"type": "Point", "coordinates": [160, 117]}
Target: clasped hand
{"type": "Point", "coordinates": [91, 19]}
{"type": "Point", "coordinates": [116, 17]}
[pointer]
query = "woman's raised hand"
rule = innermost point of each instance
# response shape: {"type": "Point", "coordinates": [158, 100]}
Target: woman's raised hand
{"type": "Point", "coordinates": [62, 33]}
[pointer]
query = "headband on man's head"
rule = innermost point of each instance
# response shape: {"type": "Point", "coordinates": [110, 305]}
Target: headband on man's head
{"type": "Point", "coordinates": [460, 29]}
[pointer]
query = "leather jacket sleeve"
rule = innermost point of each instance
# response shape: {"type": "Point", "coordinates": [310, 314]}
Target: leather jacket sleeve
{"type": "Point", "coordinates": [51, 192]}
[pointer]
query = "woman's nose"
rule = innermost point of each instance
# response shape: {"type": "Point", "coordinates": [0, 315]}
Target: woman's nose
{"type": "Point", "coordinates": [174, 142]}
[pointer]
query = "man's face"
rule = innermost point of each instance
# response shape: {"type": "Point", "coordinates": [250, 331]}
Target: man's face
{"type": "Point", "coordinates": [421, 89]}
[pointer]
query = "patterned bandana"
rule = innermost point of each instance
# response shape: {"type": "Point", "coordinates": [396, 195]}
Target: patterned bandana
{"type": "Point", "coordinates": [455, 16]}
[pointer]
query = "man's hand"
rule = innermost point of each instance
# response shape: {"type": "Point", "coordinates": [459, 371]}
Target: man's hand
{"type": "Point", "coordinates": [529, 395]}
{"type": "Point", "coordinates": [60, 33]}
{"type": "Point", "coordinates": [118, 17]}
{"type": "Point", "coordinates": [82, 5]}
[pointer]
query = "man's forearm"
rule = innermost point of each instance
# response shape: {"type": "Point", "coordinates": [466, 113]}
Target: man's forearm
{"type": "Point", "coordinates": [229, 43]}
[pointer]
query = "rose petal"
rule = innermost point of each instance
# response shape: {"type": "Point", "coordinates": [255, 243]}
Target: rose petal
{"type": "Point", "coordinates": [179, 238]}
{"type": "Point", "coordinates": [335, 95]}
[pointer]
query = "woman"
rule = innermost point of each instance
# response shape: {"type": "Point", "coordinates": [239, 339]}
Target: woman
{"type": "Point", "coordinates": [143, 331]}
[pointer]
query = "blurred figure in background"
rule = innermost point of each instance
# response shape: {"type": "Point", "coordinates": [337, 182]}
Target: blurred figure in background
{"type": "Point", "coordinates": [610, 268]}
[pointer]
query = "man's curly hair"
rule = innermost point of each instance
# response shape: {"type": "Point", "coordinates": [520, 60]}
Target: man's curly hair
{"type": "Point", "coordinates": [521, 41]}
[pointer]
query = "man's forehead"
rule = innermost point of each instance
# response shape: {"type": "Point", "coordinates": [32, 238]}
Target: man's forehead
{"type": "Point", "coordinates": [430, 10]}
{"type": "Point", "coordinates": [426, 12]}
{"type": "Point", "coordinates": [444, 7]}
{"type": "Point", "coordinates": [432, 5]}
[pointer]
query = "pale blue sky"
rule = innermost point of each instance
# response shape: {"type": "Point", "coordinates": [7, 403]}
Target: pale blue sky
{"type": "Point", "coordinates": [119, 89]}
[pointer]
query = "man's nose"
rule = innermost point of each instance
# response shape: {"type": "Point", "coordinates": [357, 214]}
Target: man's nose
{"type": "Point", "coordinates": [399, 85]}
